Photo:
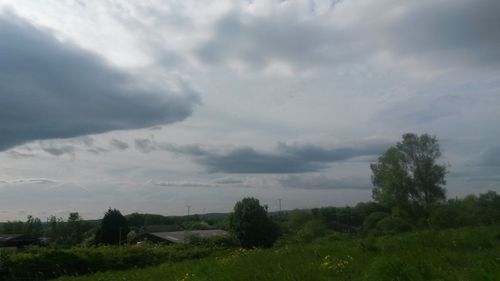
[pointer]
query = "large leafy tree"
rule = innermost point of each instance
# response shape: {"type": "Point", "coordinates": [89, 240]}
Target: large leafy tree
{"type": "Point", "coordinates": [408, 174]}
{"type": "Point", "coordinates": [114, 228]}
{"type": "Point", "coordinates": [251, 226]}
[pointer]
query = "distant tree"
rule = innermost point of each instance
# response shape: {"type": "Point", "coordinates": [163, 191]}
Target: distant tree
{"type": "Point", "coordinates": [407, 174]}
{"type": "Point", "coordinates": [14, 227]}
{"type": "Point", "coordinates": [141, 220]}
{"type": "Point", "coordinates": [297, 219]}
{"type": "Point", "coordinates": [251, 226]}
{"type": "Point", "coordinates": [114, 228]}
{"type": "Point", "coordinates": [33, 227]}
{"type": "Point", "coordinates": [55, 230]}
{"type": "Point", "coordinates": [74, 229]}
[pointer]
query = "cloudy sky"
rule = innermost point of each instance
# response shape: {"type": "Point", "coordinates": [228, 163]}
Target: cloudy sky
{"type": "Point", "coordinates": [151, 106]}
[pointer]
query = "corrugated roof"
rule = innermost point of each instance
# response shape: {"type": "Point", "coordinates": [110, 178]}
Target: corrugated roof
{"type": "Point", "coordinates": [181, 236]}
{"type": "Point", "coordinates": [8, 237]}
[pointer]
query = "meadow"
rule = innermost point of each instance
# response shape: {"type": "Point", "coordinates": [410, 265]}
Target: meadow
{"type": "Point", "coordinates": [471, 253]}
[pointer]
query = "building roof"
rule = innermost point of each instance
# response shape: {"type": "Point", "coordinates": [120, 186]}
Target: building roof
{"type": "Point", "coordinates": [16, 240]}
{"type": "Point", "coordinates": [11, 237]}
{"type": "Point", "coordinates": [183, 236]}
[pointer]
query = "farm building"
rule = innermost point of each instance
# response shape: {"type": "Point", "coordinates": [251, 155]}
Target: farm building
{"type": "Point", "coordinates": [177, 236]}
{"type": "Point", "coordinates": [16, 240]}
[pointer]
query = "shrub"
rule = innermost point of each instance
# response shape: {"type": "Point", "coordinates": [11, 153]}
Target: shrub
{"type": "Point", "coordinates": [43, 264]}
{"type": "Point", "coordinates": [251, 226]}
{"type": "Point", "coordinates": [213, 242]}
{"type": "Point", "coordinates": [393, 225]}
{"type": "Point", "coordinates": [371, 220]}
{"type": "Point", "coordinates": [310, 230]}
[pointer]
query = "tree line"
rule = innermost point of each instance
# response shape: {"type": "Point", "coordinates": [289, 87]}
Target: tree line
{"type": "Point", "coordinates": [408, 193]}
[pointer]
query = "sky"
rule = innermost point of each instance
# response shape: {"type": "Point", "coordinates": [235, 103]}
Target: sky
{"type": "Point", "coordinates": [153, 106]}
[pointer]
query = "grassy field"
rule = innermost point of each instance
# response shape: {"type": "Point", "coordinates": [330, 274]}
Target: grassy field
{"type": "Point", "coordinates": [459, 254]}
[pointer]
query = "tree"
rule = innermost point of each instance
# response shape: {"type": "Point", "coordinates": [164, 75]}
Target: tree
{"type": "Point", "coordinates": [407, 174]}
{"type": "Point", "coordinates": [114, 228]}
{"type": "Point", "coordinates": [74, 229]}
{"type": "Point", "coordinates": [251, 226]}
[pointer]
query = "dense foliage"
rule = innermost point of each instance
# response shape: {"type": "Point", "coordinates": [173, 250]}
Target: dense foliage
{"type": "Point", "coordinates": [44, 264]}
{"type": "Point", "coordinates": [251, 226]}
{"type": "Point", "coordinates": [114, 228]}
{"type": "Point", "coordinates": [407, 175]}
{"type": "Point", "coordinates": [57, 231]}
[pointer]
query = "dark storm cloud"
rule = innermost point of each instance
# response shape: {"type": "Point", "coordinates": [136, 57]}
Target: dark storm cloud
{"type": "Point", "coordinates": [442, 33]}
{"type": "Point", "coordinates": [49, 89]}
{"type": "Point", "coordinates": [298, 158]}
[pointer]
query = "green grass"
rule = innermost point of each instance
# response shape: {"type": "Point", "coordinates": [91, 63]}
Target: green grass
{"type": "Point", "coordinates": [460, 254]}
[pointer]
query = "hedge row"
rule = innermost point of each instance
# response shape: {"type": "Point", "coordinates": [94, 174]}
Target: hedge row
{"type": "Point", "coordinates": [44, 264]}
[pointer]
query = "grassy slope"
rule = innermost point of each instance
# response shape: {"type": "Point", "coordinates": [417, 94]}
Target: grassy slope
{"type": "Point", "coordinates": [463, 254]}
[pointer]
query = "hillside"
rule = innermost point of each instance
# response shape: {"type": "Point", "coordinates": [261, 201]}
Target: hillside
{"type": "Point", "coordinates": [458, 254]}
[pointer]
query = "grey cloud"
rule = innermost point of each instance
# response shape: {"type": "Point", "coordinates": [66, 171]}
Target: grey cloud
{"type": "Point", "coordinates": [149, 145]}
{"type": "Point", "coordinates": [56, 90]}
{"type": "Point", "coordinates": [261, 41]}
{"type": "Point", "coordinates": [145, 145]}
{"type": "Point", "coordinates": [323, 182]}
{"type": "Point", "coordinates": [465, 30]}
{"type": "Point", "coordinates": [59, 150]}
{"type": "Point", "coordinates": [447, 32]}
{"type": "Point", "coordinates": [310, 152]}
{"type": "Point", "coordinates": [214, 184]}
{"type": "Point", "coordinates": [19, 155]}
{"type": "Point", "coordinates": [288, 159]}
{"type": "Point", "coordinates": [491, 157]}
{"type": "Point", "coordinates": [229, 181]}
{"type": "Point", "coordinates": [297, 158]}
{"type": "Point", "coordinates": [97, 150]}
{"type": "Point", "coordinates": [248, 160]}
{"type": "Point", "coordinates": [87, 141]}
{"type": "Point", "coordinates": [118, 144]}
{"type": "Point", "coordinates": [182, 184]}
{"type": "Point", "coordinates": [29, 181]}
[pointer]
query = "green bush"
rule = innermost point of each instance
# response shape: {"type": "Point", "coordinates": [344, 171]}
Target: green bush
{"type": "Point", "coordinates": [372, 219]}
{"type": "Point", "coordinates": [393, 225]}
{"type": "Point", "coordinates": [226, 241]}
{"type": "Point", "coordinates": [444, 217]}
{"type": "Point", "coordinates": [310, 230]}
{"type": "Point", "coordinates": [43, 264]}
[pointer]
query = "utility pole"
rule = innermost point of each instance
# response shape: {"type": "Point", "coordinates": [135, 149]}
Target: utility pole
{"type": "Point", "coordinates": [189, 209]}
{"type": "Point", "coordinates": [279, 203]}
